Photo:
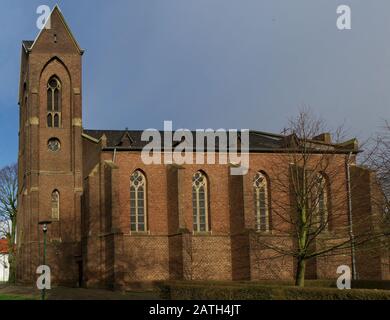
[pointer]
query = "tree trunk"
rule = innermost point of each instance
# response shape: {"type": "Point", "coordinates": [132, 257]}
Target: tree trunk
{"type": "Point", "coordinates": [12, 267]}
{"type": "Point", "coordinates": [301, 270]}
{"type": "Point", "coordinates": [12, 253]}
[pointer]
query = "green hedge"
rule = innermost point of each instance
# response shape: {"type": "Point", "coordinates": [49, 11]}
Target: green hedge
{"type": "Point", "coordinates": [181, 291]}
{"type": "Point", "coordinates": [267, 283]}
{"type": "Point", "coordinates": [371, 284]}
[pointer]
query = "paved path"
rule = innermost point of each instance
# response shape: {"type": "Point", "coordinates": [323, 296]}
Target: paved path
{"type": "Point", "coordinates": [61, 293]}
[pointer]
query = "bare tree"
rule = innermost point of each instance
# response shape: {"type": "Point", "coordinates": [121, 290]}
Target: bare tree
{"type": "Point", "coordinates": [310, 199]}
{"type": "Point", "coordinates": [379, 160]}
{"type": "Point", "coordinates": [8, 212]}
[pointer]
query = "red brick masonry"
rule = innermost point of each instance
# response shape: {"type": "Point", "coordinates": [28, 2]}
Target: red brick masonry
{"type": "Point", "coordinates": [91, 243]}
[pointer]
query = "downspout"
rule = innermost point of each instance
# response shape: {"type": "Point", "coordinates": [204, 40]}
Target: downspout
{"type": "Point", "coordinates": [351, 235]}
{"type": "Point", "coordinates": [114, 156]}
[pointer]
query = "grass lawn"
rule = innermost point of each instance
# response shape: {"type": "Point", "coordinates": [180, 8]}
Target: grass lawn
{"type": "Point", "coordinates": [13, 297]}
{"type": "Point", "coordinates": [62, 293]}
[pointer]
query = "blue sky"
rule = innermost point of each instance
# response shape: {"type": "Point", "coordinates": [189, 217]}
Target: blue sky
{"type": "Point", "coordinates": [212, 63]}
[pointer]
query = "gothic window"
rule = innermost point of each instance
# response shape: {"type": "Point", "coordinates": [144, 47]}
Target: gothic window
{"type": "Point", "coordinates": [138, 202]}
{"type": "Point", "coordinates": [322, 201]}
{"type": "Point", "coordinates": [54, 103]}
{"type": "Point", "coordinates": [260, 185]}
{"type": "Point", "coordinates": [49, 120]}
{"type": "Point", "coordinates": [55, 205]}
{"type": "Point", "coordinates": [200, 202]}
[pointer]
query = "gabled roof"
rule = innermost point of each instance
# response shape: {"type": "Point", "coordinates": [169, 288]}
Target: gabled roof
{"type": "Point", "coordinates": [258, 141]}
{"type": "Point", "coordinates": [29, 45]}
{"type": "Point", "coordinates": [3, 246]}
{"type": "Point", "coordinates": [126, 140]}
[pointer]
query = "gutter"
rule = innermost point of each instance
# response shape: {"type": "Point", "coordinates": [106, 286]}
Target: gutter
{"type": "Point", "coordinates": [351, 234]}
{"type": "Point", "coordinates": [252, 150]}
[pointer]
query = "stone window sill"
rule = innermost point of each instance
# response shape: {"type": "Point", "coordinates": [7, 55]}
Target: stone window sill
{"type": "Point", "coordinates": [264, 233]}
{"type": "Point", "coordinates": [139, 233]}
{"type": "Point", "coordinates": [202, 233]}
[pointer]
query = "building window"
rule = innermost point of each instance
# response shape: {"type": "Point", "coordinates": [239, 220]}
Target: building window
{"type": "Point", "coordinates": [200, 202]}
{"type": "Point", "coordinates": [260, 185]}
{"type": "Point", "coordinates": [138, 202]}
{"type": "Point", "coordinates": [55, 205]}
{"type": "Point", "coordinates": [54, 103]}
{"type": "Point", "coordinates": [54, 145]}
{"type": "Point", "coordinates": [322, 202]}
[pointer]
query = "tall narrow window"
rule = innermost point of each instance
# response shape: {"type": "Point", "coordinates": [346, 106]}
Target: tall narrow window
{"type": "Point", "coordinates": [138, 202]}
{"type": "Point", "coordinates": [56, 121]}
{"type": "Point", "coordinates": [200, 202]}
{"type": "Point", "coordinates": [260, 185]}
{"type": "Point", "coordinates": [55, 205]}
{"type": "Point", "coordinates": [50, 120]}
{"type": "Point", "coordinates": [322, 201]}
{"type": "Point", "coordinates": [54, 103]}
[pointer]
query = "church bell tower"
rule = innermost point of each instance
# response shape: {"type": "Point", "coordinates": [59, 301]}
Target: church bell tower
{"type": "Point", "coordinates": [50, 154]}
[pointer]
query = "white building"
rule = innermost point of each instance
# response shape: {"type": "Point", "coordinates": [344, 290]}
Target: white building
{"type": "Point", "coordinates": [4, 265]}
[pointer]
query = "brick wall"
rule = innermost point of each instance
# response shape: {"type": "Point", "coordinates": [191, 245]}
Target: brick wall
{"type": "Point", "coordinates": [372, 258]}
{"type": "Point", "coordinates": [94, 225]}
{"type": "Point", "coordinates": [169, 250]}
{"type": "Point", "coordinates": [42, 171]}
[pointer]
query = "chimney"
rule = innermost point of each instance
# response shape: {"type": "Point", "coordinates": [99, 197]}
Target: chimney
{"type": "Point", "coordinates": [324, 137]}
{"type": "Point", "coordinates": [103, 141]}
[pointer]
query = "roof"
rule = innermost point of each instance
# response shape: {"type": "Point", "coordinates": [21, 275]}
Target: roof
{"type": "Point", "coordinates": [3, 246]}
{"type": "Point", "coordinates": [130, 139]}
{"type": "Point", "coordinates": [28, 44]}
{"type": "Point", "coordinates": [258, 141]}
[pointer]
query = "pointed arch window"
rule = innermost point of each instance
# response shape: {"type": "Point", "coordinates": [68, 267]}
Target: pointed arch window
{"type": "Point", "coordinates": [54, 103]}
{"type": "Point", "coordinates": [261, 189]}
{"type": "Point", "coordinates": [55, 205]}
{"type": "Point", "coordinates": [322, 201]}
{"type": "Point", "coordinates": [200, 202]}
{"type": "Point", "coordinates": [138, 202]}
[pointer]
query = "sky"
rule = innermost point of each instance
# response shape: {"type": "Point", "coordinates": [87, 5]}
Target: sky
{"type": "Point", "coordinates": [243, 64]}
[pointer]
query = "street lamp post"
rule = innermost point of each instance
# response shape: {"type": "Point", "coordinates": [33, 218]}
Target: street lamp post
{"type": "Point", "coordinates": [44, 225]}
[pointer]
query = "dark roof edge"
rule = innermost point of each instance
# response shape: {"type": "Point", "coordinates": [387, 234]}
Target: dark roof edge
{"type": "Point", "coordinates": [251, 150]}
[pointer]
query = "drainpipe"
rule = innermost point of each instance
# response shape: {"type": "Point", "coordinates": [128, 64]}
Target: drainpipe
{"type": "Point", "coordinates": [351, 235]}
{"type": "Point", "coordinates": [114, 156]}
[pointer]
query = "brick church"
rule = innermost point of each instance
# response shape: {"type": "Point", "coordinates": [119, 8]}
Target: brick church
{"type": "Point", "coordinates": [116, 221]}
